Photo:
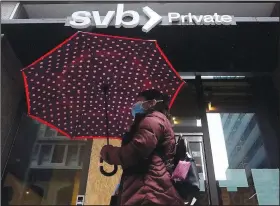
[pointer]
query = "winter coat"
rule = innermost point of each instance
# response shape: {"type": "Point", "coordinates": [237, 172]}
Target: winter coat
{"type": "Point", "coordinates": [145, 180]}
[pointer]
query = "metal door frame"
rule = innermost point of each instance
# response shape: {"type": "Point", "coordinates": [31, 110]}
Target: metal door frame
{"type": "Point", "coordinates": [213, 194]}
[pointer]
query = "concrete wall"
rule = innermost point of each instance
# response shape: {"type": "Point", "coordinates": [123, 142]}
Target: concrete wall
{"type": "Point", "coordinates": [12, 92]}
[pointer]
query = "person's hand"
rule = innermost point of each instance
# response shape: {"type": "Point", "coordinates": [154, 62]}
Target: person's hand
{"type": "Point", "coordinates": [104, 153]}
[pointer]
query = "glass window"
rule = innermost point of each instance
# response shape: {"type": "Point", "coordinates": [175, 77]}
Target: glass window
{"type": "Point", "coordinates": [72, 155]}
{"type": "Point", "coordinates": [37, 173]}
{"type": "Point", "coordinates": [35, 154]}
{"type": "Point", "coordinates": [240, 149]}
{"type": "Point", "coordinates": [241, 163]}
{"type": "Point", "coordinates": [45, 154]}
{"type": "Point", "coordinates": [58, 154]}
{"type": "Point", "coordinates": [50, 132]}
{"type": "Point", "coordinates": [81, 155]}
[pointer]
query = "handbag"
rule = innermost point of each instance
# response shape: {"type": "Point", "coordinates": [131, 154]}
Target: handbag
{"type": "Point", "coordinates": [190, 186]}
{"type": "Point", "coordinates": [181, 171]}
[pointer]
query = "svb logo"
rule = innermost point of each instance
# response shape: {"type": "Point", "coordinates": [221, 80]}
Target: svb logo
{"type": "Point", "coordinates": [85, 19]}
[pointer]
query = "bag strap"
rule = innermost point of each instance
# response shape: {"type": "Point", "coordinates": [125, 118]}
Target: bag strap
{"type": "Point", "coordinates": [188, 149]}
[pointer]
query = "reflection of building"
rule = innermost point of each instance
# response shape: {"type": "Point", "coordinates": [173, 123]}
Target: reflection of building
{"type": "Point", "coordinates": [241, 142]}
{"type": "Point", "coordinates": [249, 48]}
{"type": "Point", "coordinates": [54, 151]}
{"type": "Point", "coordinates": [47, 187]}
{"type": "Point", "coordinates": [55, 166]}
{"type": "Point", "coordinates": [51, 173]}
{"type": "Point", "coordinates": [15, 188]}
{"type": "Point", "coordinates": [244, 143]}
{"type": "Point", "coordinates": [56, 186]}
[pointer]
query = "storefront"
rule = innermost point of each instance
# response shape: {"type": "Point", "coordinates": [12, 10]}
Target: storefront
{"type": "Point", "coordinates": [228, 111]}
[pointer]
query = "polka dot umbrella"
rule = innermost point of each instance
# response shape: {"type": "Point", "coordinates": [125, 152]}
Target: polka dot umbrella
{"type": "Point", "coordinates": [85, 87]}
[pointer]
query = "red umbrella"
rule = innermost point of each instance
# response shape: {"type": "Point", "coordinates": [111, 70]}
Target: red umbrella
{"type": "Point", "coordinates": [65, 87]}
{"type": "Point", "coordinates": [85, 87]}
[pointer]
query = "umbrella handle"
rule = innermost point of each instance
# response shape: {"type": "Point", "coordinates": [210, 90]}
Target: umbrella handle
{"type": "Point", "coordinates": [107, 174]}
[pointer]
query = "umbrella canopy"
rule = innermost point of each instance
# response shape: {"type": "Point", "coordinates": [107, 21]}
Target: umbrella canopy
{"type": "Point", "coordinates": [85, 87]}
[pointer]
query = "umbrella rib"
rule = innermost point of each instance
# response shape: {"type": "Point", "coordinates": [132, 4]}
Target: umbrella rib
{"type": "Point", "coordinates": [105, 90]}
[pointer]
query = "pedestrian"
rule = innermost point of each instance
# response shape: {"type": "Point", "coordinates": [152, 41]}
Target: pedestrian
{"type": "Point", "coordinates": [145, 179]}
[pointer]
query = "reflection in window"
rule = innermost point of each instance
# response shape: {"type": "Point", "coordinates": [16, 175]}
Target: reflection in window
{"type": "Point", "coordinates": [222, 77]}
{"type": "Point", "coordinates": [50, 132]}
{"type": "Point", "coordinates": [81, 156]}
{"type": "Point", "coordinates": [45, 154]}
{"type": "Point", "coordinates": [35, 154]}
{"type": "Point", "coordinates": [37, 169]}
{"type": "Point", "coordinates": [58, 154]}
{"type": "Point", "coordinates": [72, 156]}
{"type": "Point", "coordinates": [218, 145]}
{"type": "Point", "coordinates": [238, 150]}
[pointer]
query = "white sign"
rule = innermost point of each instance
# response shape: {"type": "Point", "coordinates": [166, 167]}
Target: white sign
{"type": "Point", "coordinates": [201, 19]}
{"type": "Point", "coordinates": [85, 19]}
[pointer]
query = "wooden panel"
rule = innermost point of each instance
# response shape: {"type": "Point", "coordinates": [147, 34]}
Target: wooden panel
{"type": "Point", "coordinates": [100, 188]}
{"type": "Point", "coordinates": [76, 187]}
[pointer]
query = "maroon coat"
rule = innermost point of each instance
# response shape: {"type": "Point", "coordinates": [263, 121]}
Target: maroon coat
{"type": "Point", "coordinates": [155, 186]}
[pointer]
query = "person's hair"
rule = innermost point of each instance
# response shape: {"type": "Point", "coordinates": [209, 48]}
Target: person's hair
{"type": "Point", "coordinates": [162, 106]}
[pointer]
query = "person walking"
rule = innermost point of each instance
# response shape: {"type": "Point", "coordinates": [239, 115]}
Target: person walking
{"type": "Point", "coordinates": [145, 179]}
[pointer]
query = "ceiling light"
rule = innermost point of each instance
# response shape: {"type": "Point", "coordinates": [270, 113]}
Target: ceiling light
{"type": "Point", "coordinates": [210, 107]}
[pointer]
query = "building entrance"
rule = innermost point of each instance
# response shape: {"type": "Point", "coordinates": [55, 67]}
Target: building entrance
{"type": "Point", "coordinates": [242, 111]}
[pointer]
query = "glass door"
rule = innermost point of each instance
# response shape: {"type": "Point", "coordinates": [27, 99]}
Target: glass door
{"type": "Point", "coordinates": [187, 122]}
{"type": "Point", "coordinates": [240, 140]}
{"type": "Point", "coordinates": [195, 142]}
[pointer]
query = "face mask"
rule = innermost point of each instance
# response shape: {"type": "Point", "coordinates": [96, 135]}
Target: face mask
{"type": "Point", "coordinates": [137, 108]}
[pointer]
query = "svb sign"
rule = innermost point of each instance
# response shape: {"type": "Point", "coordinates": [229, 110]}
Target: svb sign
{"type": "Point", "coordinates": [131, 19]}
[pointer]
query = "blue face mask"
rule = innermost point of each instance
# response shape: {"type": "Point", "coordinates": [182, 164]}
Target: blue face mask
{"type": "Point", "coordinates": [137, 109]}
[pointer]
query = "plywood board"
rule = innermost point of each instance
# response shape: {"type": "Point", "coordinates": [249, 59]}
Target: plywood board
{"type": "Point", "coordinates": [100, 188]}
